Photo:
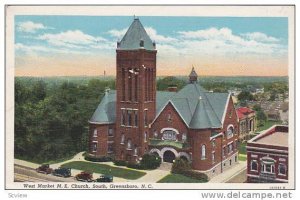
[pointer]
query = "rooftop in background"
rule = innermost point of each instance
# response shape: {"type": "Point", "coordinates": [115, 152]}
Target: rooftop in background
{"type": "Point", "coordinates": [136, 37]}
{"type": "Point", "coordinates": [243, 112]}
{"type": "Point", "coordinates": [277, 135]}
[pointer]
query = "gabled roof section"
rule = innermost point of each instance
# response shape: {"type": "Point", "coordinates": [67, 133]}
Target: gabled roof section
{"type": "Point", "coordinates": [106, 110]}
{"type": "Point", "coordinates": [134, 35]}
{"type": "Point", "coordinates": [243, 112]}
{"type": "Point", "coordinates": [198, 108]}
{"type": "Point", "coordinates": [204, 116]}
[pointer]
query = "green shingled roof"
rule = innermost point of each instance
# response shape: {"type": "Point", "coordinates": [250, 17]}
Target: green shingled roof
{"type": "Point", "coordinates": [106, 110]}
{"type": "Point", "coordinates": [133, 37]}
{"type": "Point", "coordinates": [198, 108]}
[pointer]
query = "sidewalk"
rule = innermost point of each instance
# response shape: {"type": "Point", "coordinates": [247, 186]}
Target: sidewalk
{"type": "Point", "coordinates": [230, 173]}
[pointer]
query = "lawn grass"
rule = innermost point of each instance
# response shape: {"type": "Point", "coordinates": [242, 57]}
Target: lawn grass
{"type": "Point", "coordinates": [37, 161]}
{"type": "Point", "coordinates": [178, 178]}
{"type": "Point", "coordinates": [242, 157]}
{"type": "Point", "coordinates": [105, 169]}
{"type": "Point", "coordinates": [242, 148]}
{"type": "Point", "coordinates": [267, 125]}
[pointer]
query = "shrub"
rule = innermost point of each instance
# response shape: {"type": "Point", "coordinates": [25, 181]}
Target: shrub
{"type": "Point", "coordinates": [150, 161]}
{"type": "Point", "coordinates": [134, 165]}
{"type": "Point", "coordinates": [92, 158]}
{"type": "Point", "coordinates": [183, 167]}
{"type": "Point", "coordinates": [180, 165]}
{"type": "Point", "coordinates": [195, 174]}
{"type": "Point", "coordinates": [120, 162]}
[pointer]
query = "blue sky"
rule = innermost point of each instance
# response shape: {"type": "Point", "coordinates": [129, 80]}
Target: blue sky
{"type": "Point", "coordinates": [209, 43]}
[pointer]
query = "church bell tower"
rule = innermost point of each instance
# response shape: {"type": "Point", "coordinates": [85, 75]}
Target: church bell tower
{"type": "Point", "coordinates": [136, 92]}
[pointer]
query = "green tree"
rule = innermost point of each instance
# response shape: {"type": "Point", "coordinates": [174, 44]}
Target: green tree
{"type": "Point", "coordinates": [245, 96]}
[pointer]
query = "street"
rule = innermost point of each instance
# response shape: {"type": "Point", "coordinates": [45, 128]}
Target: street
{"type": "Point", "coordinates": [26, 174]}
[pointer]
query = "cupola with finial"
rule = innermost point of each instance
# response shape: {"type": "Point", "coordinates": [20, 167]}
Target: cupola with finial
{"type": "Point", "coordinates": [193, 76]}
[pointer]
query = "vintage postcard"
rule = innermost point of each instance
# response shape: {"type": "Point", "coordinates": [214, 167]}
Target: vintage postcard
{"type": "Point", "coordinates": [150, 97]}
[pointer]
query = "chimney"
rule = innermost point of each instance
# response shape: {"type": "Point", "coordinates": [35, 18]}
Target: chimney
{"type": "Point", "coordinates": [172, 88]}
{"type": "Point", "coordinates": [118, 44]}
{"type": "Point", "coordinates": [154, 44]}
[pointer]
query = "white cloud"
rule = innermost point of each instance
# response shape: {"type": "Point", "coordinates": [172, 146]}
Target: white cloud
{"type": "Point", "coordinates": [150, 31]}
{"type": "Point", "coordinates": [71, 39]}
{"type": "Point", "coordinates": [257, 36]}
{"type": "Point", "coordinates": [224, 42]}
{"type": "Point", "coordinates": [158, 38]}
{"type": "Point", "coordinates": [117, 33]}
{"type": "Point", "coordinates": [30, 27]}
{"type": "Point", "coordinates": [38, 49]}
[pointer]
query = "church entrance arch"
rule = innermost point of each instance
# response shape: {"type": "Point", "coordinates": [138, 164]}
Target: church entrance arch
{"type": "Point", "coordinates": [168, 156]}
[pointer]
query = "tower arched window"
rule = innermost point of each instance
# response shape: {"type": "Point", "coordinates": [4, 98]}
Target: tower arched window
{"type": "Point", "coordinates": [145, 136]}
{"type": "Point", "coordinates": [122, 138]}
{"type": "Point", "coordinates": [203, 152]}
{"type": "Point", "coordinates": [129, 145]}
{"type": "Point", "coordinates": [135, 152]}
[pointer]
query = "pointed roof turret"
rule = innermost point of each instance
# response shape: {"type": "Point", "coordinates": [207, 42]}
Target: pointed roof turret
{"type": "Point", "coordinates": [193, 76]}
{"type": "Point", "coordinates": [136, 37]}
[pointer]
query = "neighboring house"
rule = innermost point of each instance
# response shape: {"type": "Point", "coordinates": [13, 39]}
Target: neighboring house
{"type": "Point", "coordinates": [247, 122]}
{"type": "Point", "coordinates": [267, 156]}
{"type": "Point", "coordinates": [192, 124]}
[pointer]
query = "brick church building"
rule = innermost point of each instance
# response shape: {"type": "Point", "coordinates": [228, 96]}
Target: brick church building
{"type": "Point", "coordinates": [134, 119]}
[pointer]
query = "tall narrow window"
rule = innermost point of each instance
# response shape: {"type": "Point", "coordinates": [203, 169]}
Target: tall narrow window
{"type": "Point", "coordinates": [129, 118]}
{"type": "Point", "coordinates": [145, 137]}
{"type": "Point", "coordinates": [123, 84]}
{"type": "Point", "coordinates": [95, 132]}
{"type": "Point", "coordinates": [169, 117]}
{"type": "Point", "coordinates": [146, 117]}
{"type": "Point", "coordinates": [253, 165]}
{"type": "Point", "coordinates": [123, 117]}
{"type": "Point", "coordinates": [136, 86]}
{"type": "Point", "coordinates": [146, 86]}
{"type": "Point", "coordinates": [110, 148]}
{"type": "Point", "coordinates": [230, 131]}
{"type": "Point", "coordinates": [135, 152]}
{"type": "Point", "coordinates": [151, 85]}
{"type": "Point", "coordinates": [282, 169]}
{"type": "Point", "coordinates": [122, 138]}
{"type": "Point", "coordinates": [129, 86]}
{"type": "Point", "coordinates": [110, 132]}
{"type": "Point", "coordinates": [94, 146]}
{"type": "Point", "coordinates": [183, 137]}
{"type": "Point", "coordinates": [213, 157]}
{"type": "Point", "coordinates": [203, 152]}
{"type": "Point", "coordinates": [129, 145]}
{"type": "Point", "coordinates": [148, 89]}
{"type": "Point", "coordinates": [135, 118]}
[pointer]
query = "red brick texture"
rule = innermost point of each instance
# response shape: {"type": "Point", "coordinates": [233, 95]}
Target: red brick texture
{"type": "Point", "coordinates": [135, 68]}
